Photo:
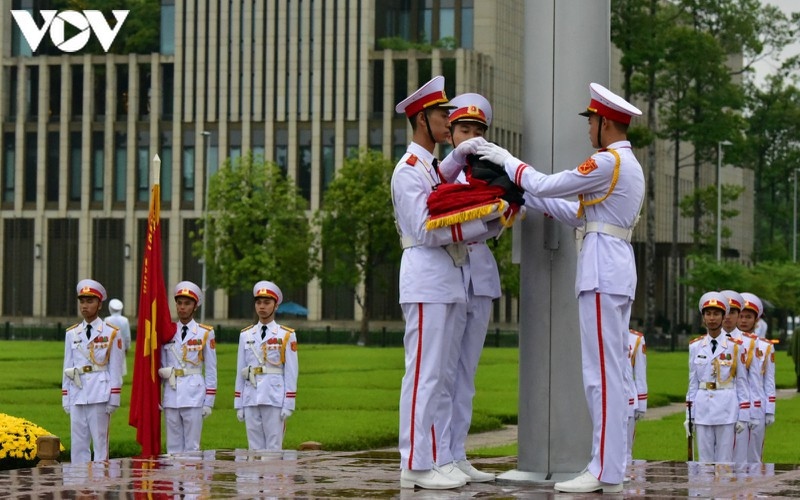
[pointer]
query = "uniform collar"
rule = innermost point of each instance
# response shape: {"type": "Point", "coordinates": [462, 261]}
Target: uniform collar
{"type": "Point", "coordinates": [618, 145]}
{"type": "Point", "coordinates": [191, 326]}
{"type": "Point", "coordinates": [421, 153]}
{"type": "Point", "coordinates": [271, 326]}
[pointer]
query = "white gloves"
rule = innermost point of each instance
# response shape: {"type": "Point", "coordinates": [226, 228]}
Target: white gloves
{"type": "Point", "coordinates": [111, 409]}
{"type": "Point", "coordinates": [686, 427]}
{"type": "Point", "coordinates": [66, 410]}
{"type": "Point", "coordinates": [468, 147]}
{"type": "Point", "coordinates": [493, 153]}
{"type": "Point", "coordinates": [770, 419]}
{"type": "Point", "coordinates": [752, 424]}
{"type": "Point", "coordinates": [285, 413]}
{"type": "Point", "coordinates": [638, 414]}
{"type": "Point", "coordinates": [240, 415]}
{"type": "Point", "coordinates": [206, 411]}
{"type": "Point", "coordinates": [740, 426]}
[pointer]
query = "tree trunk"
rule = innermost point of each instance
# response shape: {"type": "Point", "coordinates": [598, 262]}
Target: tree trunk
{"type": "Point", "coordinates": [672, 284]}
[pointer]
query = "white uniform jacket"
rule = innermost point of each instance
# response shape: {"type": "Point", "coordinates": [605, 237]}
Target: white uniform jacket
{"type": "Point", "coordinates": [718, 389]}
{"type": "Point", "coordinates": [273, 365]}
{"type": "Point", "coordinates": [638, 359]}
{"type": "Point", "coordinates": [606, 263]}
{"type": "Point", "coordinates": [97, 363]}
{"type": "Point", "coordinates": [761, 368]}
{"type": "Point", "coordinates": [427, 273]}
{"type": "Point", "coordinates": [194, 360]}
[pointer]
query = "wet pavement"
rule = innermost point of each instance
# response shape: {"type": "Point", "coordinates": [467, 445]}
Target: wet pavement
{"type": "Point", "coordinates": [374, 474]}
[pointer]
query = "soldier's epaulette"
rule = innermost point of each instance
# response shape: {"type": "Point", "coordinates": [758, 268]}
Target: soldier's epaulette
{"type": "Point", "coordinates": [749, 335]}
{"type": "Point", "coordinates": [205, 327]}
{"type": "Point", "coordinates": [737, 341]}
{"type": "Point", "coordinates": [287, 328]}
{"type": "Point", "coordinates": [112, 326]}
{"type": "Point", "coordinates": [73, 326]}
{"type": "Point", "coordinates": [412, 160]}
{"type": "Point", "coordinates": [772, 341]}
{"type": "Point", "coordinates": [696, 339]}
{"type": "Point", "coordinates": [247, 328]}
{"type": "Point", "coordinates": [636, 333]}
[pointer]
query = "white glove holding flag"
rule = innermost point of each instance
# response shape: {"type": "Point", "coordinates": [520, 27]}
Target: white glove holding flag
{"type": "Point", "coordinates": [468, 147]}
{"type": "Point", "coordinates": [686, 426]}
{"type": "Point", "coordinates": [493, 153]}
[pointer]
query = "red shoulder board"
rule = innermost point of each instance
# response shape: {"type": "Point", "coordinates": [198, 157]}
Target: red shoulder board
{"type": "Point", "coordinates": [773, 341]}
{"type": "Point", "coordinates": [637, 333]}
{"type": "Point", "coordinates": [738, 341]}
{"type": "Point", "coordinates": [587, 167]}
{"type": "Point", "coordinates": [412, 160]}
{"type": "Point", "coordinates": [696, 339]}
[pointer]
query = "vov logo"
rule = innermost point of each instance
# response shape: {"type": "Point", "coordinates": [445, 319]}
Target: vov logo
{"type": "Point", "coordinates": [55, 22]}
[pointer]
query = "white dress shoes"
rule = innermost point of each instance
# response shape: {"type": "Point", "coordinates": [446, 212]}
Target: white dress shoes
{"type": "Point", "coordinates": [475, 475]}
{"type": "Point", "coordinates": [431, 479]}
{"type": "Point", "coordinates": [450, 470]}
{"type": "Point", "coordinates": [586, 483]}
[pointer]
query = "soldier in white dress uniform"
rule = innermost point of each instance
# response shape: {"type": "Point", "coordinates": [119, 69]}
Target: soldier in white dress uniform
{"type": "Point", "coordinates": [729, 326]}
{"type": "Point", "coordinates": [760, 365]}
{"type": "Point", "coordinates": [637, 356]}
{"type": "Point", "coordinates": [116, 318]}
{"type": "Point", "coordinates": [717, 397]}
{"type": "Point", "coordinates": [266, 373]}
{"type": "Point", "coordinates": [610, 189]}
{"type": "Point", "coordinates": [92, 377]}
{"type": "Point", "coordinates": [432, 293]}
{"type": "Point", "coordinates": [189, 373]}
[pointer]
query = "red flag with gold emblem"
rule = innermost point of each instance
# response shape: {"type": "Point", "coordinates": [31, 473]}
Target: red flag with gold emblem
{"type": "Point", "coordinates": [154, 328]}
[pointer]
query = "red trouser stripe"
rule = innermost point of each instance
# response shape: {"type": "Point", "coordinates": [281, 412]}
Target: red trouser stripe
{"type": "Point", "coordinates": [599, 313]}
{"type": "Point", "coordinates": [416, 385]}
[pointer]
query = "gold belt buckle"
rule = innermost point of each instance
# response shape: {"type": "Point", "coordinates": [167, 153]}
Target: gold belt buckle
{"type": "Point", "coordinates": [179, 372]}
{"type": "Point", "coordinates": [711, 386]}
{"type": "Point", "coordinates": [258, 370]}
{"type": "Point", "coordinates": [87, 368]}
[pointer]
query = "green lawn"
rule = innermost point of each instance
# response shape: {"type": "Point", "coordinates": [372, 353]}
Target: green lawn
{"type": "Point", "coordinates": [347, 399]}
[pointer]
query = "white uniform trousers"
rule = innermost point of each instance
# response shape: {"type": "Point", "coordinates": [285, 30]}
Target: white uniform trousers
{"type": "Point", "coordinates": [184, 427]}
{"type": "Point", "coordinates": [741, 445]}
{"type": "Point", "coordinates": [455, 415]}
{"type": "Point", "coordinates": [88, 422]}
{"type": "Point", "coordinates": [264, 427]}
{"type": "Point", "coordinates": [604, 351]}
{"type": "Point", "coordinates": [715, 442]}
{"type": "Point", "coordinates": [631, 428]}
{"type": "Point", "coordinates": [756, 447]}
{"type": "Point", "coordinates": [428, 339]}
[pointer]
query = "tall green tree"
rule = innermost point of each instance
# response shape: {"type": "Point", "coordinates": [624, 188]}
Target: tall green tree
{"type": "Point", "coordinates": [256, 228]}
{"type": "Point", "coordinates": [356, 228]}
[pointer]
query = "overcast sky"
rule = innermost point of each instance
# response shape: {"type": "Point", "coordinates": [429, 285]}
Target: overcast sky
{"type": "Point", "coordinates": [766, 67]}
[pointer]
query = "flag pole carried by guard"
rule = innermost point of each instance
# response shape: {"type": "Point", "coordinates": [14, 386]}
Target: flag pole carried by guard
{"type": "Point", "coordinates": [154, 328]}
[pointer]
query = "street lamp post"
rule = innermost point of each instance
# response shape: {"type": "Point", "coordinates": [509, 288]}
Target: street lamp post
{"type": "Point", "coordinates": [794, 218]}
{"type": "Point", "coordinates": [206, 172]}
{"type": "Point", "coordinates": [719, 197]}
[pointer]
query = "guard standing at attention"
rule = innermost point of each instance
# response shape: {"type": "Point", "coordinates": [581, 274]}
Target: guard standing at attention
{"type": "Point", "coordinates": [266, 372]}
{"type": "Point", "coordinates": [92, 380]}
{"type": "Point", "coordinates": [189, 373]}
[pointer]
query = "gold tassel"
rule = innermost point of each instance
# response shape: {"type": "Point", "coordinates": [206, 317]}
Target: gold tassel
{"type": "Point", "coordinates": [467, 215]}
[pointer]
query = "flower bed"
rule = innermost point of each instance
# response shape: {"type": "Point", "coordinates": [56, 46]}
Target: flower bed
{"type": "Point", "coordinates": [18, 442]}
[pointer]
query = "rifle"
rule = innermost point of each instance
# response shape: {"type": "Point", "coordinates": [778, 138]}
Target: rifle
{"type": "Point", "coordinates": [689, 450]}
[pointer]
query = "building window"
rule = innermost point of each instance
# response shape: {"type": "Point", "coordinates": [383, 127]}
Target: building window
{"type": "Point", "coordinates": [328, 159]}
{"type": "Point", "coordinates": [9, 158]}
{"type": "Point", "coordinates": [167, 95]}
{"type": "Point", "coordinates": [351, 142]}
{"type": "Point", "coordinates": [122, 89]}
{"type": "Point", "coordinates": [377, 86]}
{"type": "Point", "coordinates": [120, 166]}
{"type": "Point", "coordinates": [99, 90]}
{"type": "Point", "coordinates": [143, 167]}
{"type": "Point", "coordinates": [467, 38]}
{"type": "Point", "coordinates": [447, 19]}
{"type": "Point", "coordinates": [304, 157]}
{"type": "Point", "coordinates": [282, 150]}
{"type": "Point", "coordinates": [52, 181]}
{"type": "Point", "coordinates": [399, 143]}
{"type": "Point", "coordinates": [77, 90]}
{"type": "Point", "coordinates": [108, 255]}
{"type": "Point", "coordinates": [11, 95]}
{"type": "Point", "coordinates": [54, 93]}
{"type": "Point", "coordinates": [167, 31]}
{"type": "Point", "coordinates": [62, 266]}
{"type": "Point", "coordinates": [31, 168]}
{"type": "Point", "coordinates": [75, 167]}
{"type": "Point", "coordinates": [32, 92]}
{"type": "Point", "coordinates": [18, 248]}
{"type": "Point", "coordinates": [187, 176]}
{"type": "Point", "coordinates": [98, 167]}
{"type": "Point", "coordinates": [376, 137]}
{"type": "Point", "coordinates": [166, 169]}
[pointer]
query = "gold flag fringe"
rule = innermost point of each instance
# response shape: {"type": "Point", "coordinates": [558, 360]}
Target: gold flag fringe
{"type": "Point", "coordinates": [466, 215]}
